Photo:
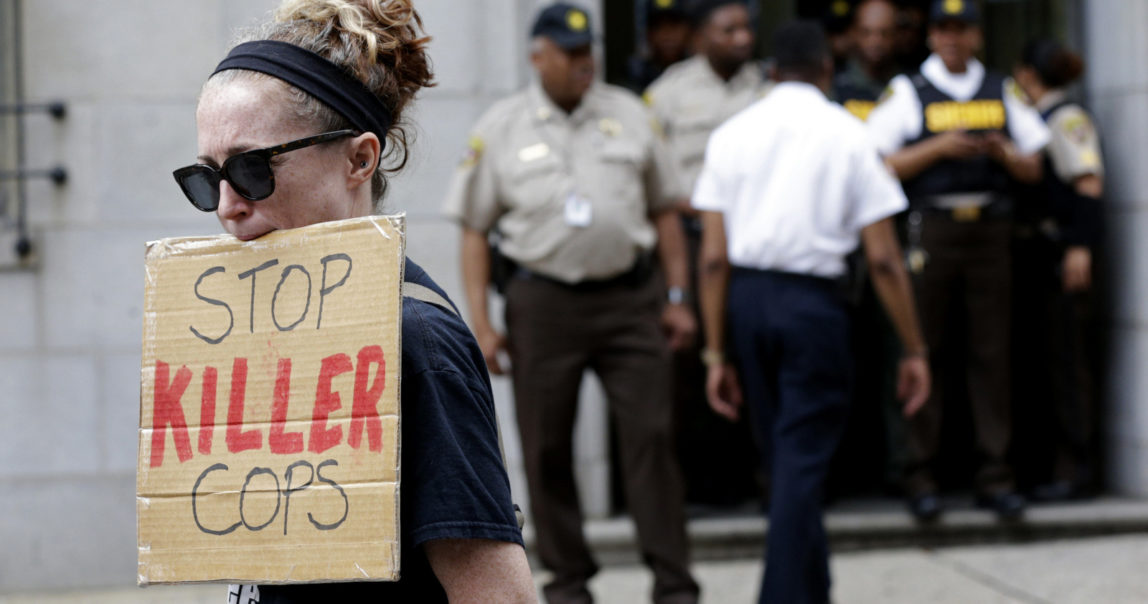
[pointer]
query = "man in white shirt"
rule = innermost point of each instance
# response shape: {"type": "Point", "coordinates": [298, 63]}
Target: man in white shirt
{"type": "Point", "coordinates": [788, 187]}
{"type": "Point", "coordinates": [956, 135]}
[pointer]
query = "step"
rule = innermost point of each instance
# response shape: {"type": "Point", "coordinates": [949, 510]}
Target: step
{"type": "Point", "coordinates": [717, 534]}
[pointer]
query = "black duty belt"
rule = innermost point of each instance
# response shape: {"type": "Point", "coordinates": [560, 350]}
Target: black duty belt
{"type": "Point", "coordinates": [980, 206]}
{"type": "Point", "coordinates": [636, 275]}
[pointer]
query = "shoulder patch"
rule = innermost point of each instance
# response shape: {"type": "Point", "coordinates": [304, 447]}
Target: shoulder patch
{"type": "Point", "coordinates": [1015, 91]}
{"type": "Point", "coordinates": [473, 152]}
{"type": "Point", "coordinates": [1077, 127]}
{"type": "Point", "coordinates": [656, 127]}
{"type": "Point", "coordinates": [885, 95]}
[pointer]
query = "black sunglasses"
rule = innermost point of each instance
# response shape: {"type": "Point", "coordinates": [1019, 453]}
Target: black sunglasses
{"type": "Point", "coordinates": [249, 173]}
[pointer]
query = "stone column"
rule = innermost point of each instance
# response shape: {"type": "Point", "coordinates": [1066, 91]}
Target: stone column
{"type": "Point", "coordinates": [1116, 51]}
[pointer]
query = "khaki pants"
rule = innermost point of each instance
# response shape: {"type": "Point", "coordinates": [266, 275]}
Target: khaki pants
{"type": "Point", "coordinates": [555, 334]}
{"type": "Point", "coordinates": [969, 270]}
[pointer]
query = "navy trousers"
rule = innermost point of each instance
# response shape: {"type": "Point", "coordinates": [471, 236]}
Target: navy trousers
{"type": "Point", "coordinates": [790, 339]}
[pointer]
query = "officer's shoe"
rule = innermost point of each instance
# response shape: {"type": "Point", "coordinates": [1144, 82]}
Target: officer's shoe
{"type": "Point", "coordinates": [1007, 504]}
{"type": "Point", "coordinates": [925, 507]}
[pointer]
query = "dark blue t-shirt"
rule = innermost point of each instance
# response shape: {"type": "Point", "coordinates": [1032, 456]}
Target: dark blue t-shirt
{"type": "Point", "coordinates": [453, 484]}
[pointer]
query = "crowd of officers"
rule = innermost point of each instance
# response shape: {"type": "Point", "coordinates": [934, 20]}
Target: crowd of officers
{"type": "Point", "coordinates": [574, 199]}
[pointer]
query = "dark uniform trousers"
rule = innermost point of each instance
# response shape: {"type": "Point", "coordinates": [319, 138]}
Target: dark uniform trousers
{"type": "Point", "coordinates": [556, 332]}
{"type": "Point", "coordinates": [1051, 361]}
{"type": "Point", "coordinates": [790, 338]}
{"type": "Point", "coordinates": [968, 268]}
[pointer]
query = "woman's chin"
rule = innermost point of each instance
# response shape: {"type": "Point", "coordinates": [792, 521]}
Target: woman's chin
{"type": "Point", "coordinates": [248, 236]}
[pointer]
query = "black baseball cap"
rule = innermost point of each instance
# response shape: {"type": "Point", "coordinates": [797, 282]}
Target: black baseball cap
{"type": "Point", "coordinates": [566, 25]}
{"type": "Point", "coordinates": [964, 11]}
{"type": "Point", "coordinates": [665, 9]}
{"type": "Point", "coordinates": [702, 9]}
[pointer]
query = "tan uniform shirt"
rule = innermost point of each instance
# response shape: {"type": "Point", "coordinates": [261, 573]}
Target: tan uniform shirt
{"type": "Point", "coordinates": [690, 101]}
{"type": "Point", "coordinates": [571, 194]}
{"type": "Point", "coordinates": [1075, 146]}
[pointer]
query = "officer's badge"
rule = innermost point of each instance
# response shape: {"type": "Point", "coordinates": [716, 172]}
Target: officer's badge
{"type": "Point", "coordinates": [840, 8]}
{"type": "Point", "coordinates": [664, 4]}
{"type": "Point", "coordinates": [473, 152]}
{"type": "Point", "coordinates": [610, 126]}
{"type": "Point", "coordinates": [576, 20]}
{"type": "Point", "coordinates": [954, 7]}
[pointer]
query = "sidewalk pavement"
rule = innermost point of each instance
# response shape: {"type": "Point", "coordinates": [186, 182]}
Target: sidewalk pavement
{"type": "Point", "coordinates": [1092, 570]}
{"type": "Point", "coordinates": [1082, 552]}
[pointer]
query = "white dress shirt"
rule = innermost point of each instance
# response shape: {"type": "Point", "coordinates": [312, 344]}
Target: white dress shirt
{"type": "Point", "coordinates": [898, 118]}
{"type": "Point", "coordinates": [796, 178]}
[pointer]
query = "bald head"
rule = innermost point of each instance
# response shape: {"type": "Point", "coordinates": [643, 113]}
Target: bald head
{"type": "Point", "coordinates": [874, 32]}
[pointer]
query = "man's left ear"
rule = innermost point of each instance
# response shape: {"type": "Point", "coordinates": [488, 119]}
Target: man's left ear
{"type": "Point", "coordinates": [364, 154]}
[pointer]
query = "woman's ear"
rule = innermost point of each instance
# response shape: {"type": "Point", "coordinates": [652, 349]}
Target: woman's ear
{"type": "Point", "coordinates": [363, 155]}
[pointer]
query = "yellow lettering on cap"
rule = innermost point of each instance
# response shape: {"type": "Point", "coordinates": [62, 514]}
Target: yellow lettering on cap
{"type": "Point", "coordinates": [954, 7]}
{"type": "Point", "coordinates": [576, 20]}
{"type": "Point", "coordinates": [840, 8]}
{"type": "Point", "coordinates": [665, 3]}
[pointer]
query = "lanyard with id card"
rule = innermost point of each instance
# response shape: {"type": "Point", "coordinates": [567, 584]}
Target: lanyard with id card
{"type": "Point", "coordinates": [579, 212]}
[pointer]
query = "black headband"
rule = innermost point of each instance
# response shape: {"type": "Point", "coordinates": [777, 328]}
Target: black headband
{"type": "Point", "coordinates": [316, 76]}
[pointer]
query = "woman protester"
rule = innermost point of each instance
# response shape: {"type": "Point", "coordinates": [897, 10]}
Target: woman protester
{"type": "Point", "coordinates": [1058, 229]}
{"type": "Point", "coordinates": [301, 124]}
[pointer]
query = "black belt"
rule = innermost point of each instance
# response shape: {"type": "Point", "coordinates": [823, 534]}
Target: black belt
{"type": "Point", "coordinates": [828, 283]}
{"type": "Point", "coordinates": [1000, 207]}
{"type": "Point", "coordinates": [636, 275]}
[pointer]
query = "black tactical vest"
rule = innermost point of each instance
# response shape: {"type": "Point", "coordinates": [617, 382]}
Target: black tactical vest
{"type": "Point", "coordinates": [983, 113]}
{"type": "Point", "coordinates": [858, 100]}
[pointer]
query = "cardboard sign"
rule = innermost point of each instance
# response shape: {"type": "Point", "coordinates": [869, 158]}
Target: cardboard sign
{"type": "Point", "coordinates": [269, 406]}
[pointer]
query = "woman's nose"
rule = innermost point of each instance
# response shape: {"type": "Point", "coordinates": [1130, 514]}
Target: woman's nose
{"type": "Point", "coordinates": [232, 205]}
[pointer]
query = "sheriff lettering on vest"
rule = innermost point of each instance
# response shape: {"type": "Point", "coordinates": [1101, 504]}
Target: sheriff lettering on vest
{"type": "Point", "coordinates": [956, 134]}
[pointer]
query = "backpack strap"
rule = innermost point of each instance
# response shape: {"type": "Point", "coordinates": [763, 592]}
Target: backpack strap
{"type": "Point", "coordinates": [417, 291]}
{"type": "Point", "coordinates": [428, 295]}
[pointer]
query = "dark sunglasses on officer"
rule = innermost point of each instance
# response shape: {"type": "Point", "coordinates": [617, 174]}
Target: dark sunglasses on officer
{"type": "Point", "coordinates": [249, 173]}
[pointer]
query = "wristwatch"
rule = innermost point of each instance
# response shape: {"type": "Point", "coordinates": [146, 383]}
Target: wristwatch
{"type": "Point", "coordinates": [677, 295]}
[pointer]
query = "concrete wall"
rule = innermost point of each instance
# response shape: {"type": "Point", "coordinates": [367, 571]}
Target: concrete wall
{"type": "Point", "coordinates": [70, 328]}
{"type": "Point", "coordinates": [1116, 51]}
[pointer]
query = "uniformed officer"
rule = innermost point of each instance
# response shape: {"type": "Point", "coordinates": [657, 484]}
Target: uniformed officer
{"type": "Point", "coordinates": [1056, 233]}
{"type": "Point", "coordinates": [955, 134]}
{"type": "Point", "coordinates": [868, 71]}
{"type": "Point", "coordinates": [789, 187]}
{"type": "Point", "coordinates": [574, 177]}
{"type": "Point", "coordinates": [836, 20]}
{"type": "Point", "coordinates": [872, 449]}
{"type": "Point", "coordinates": [694, 97]}
{"type": "Point", "coordinates": [690, 100]}
{"type": "Point", "coordinates": [668, 33]}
